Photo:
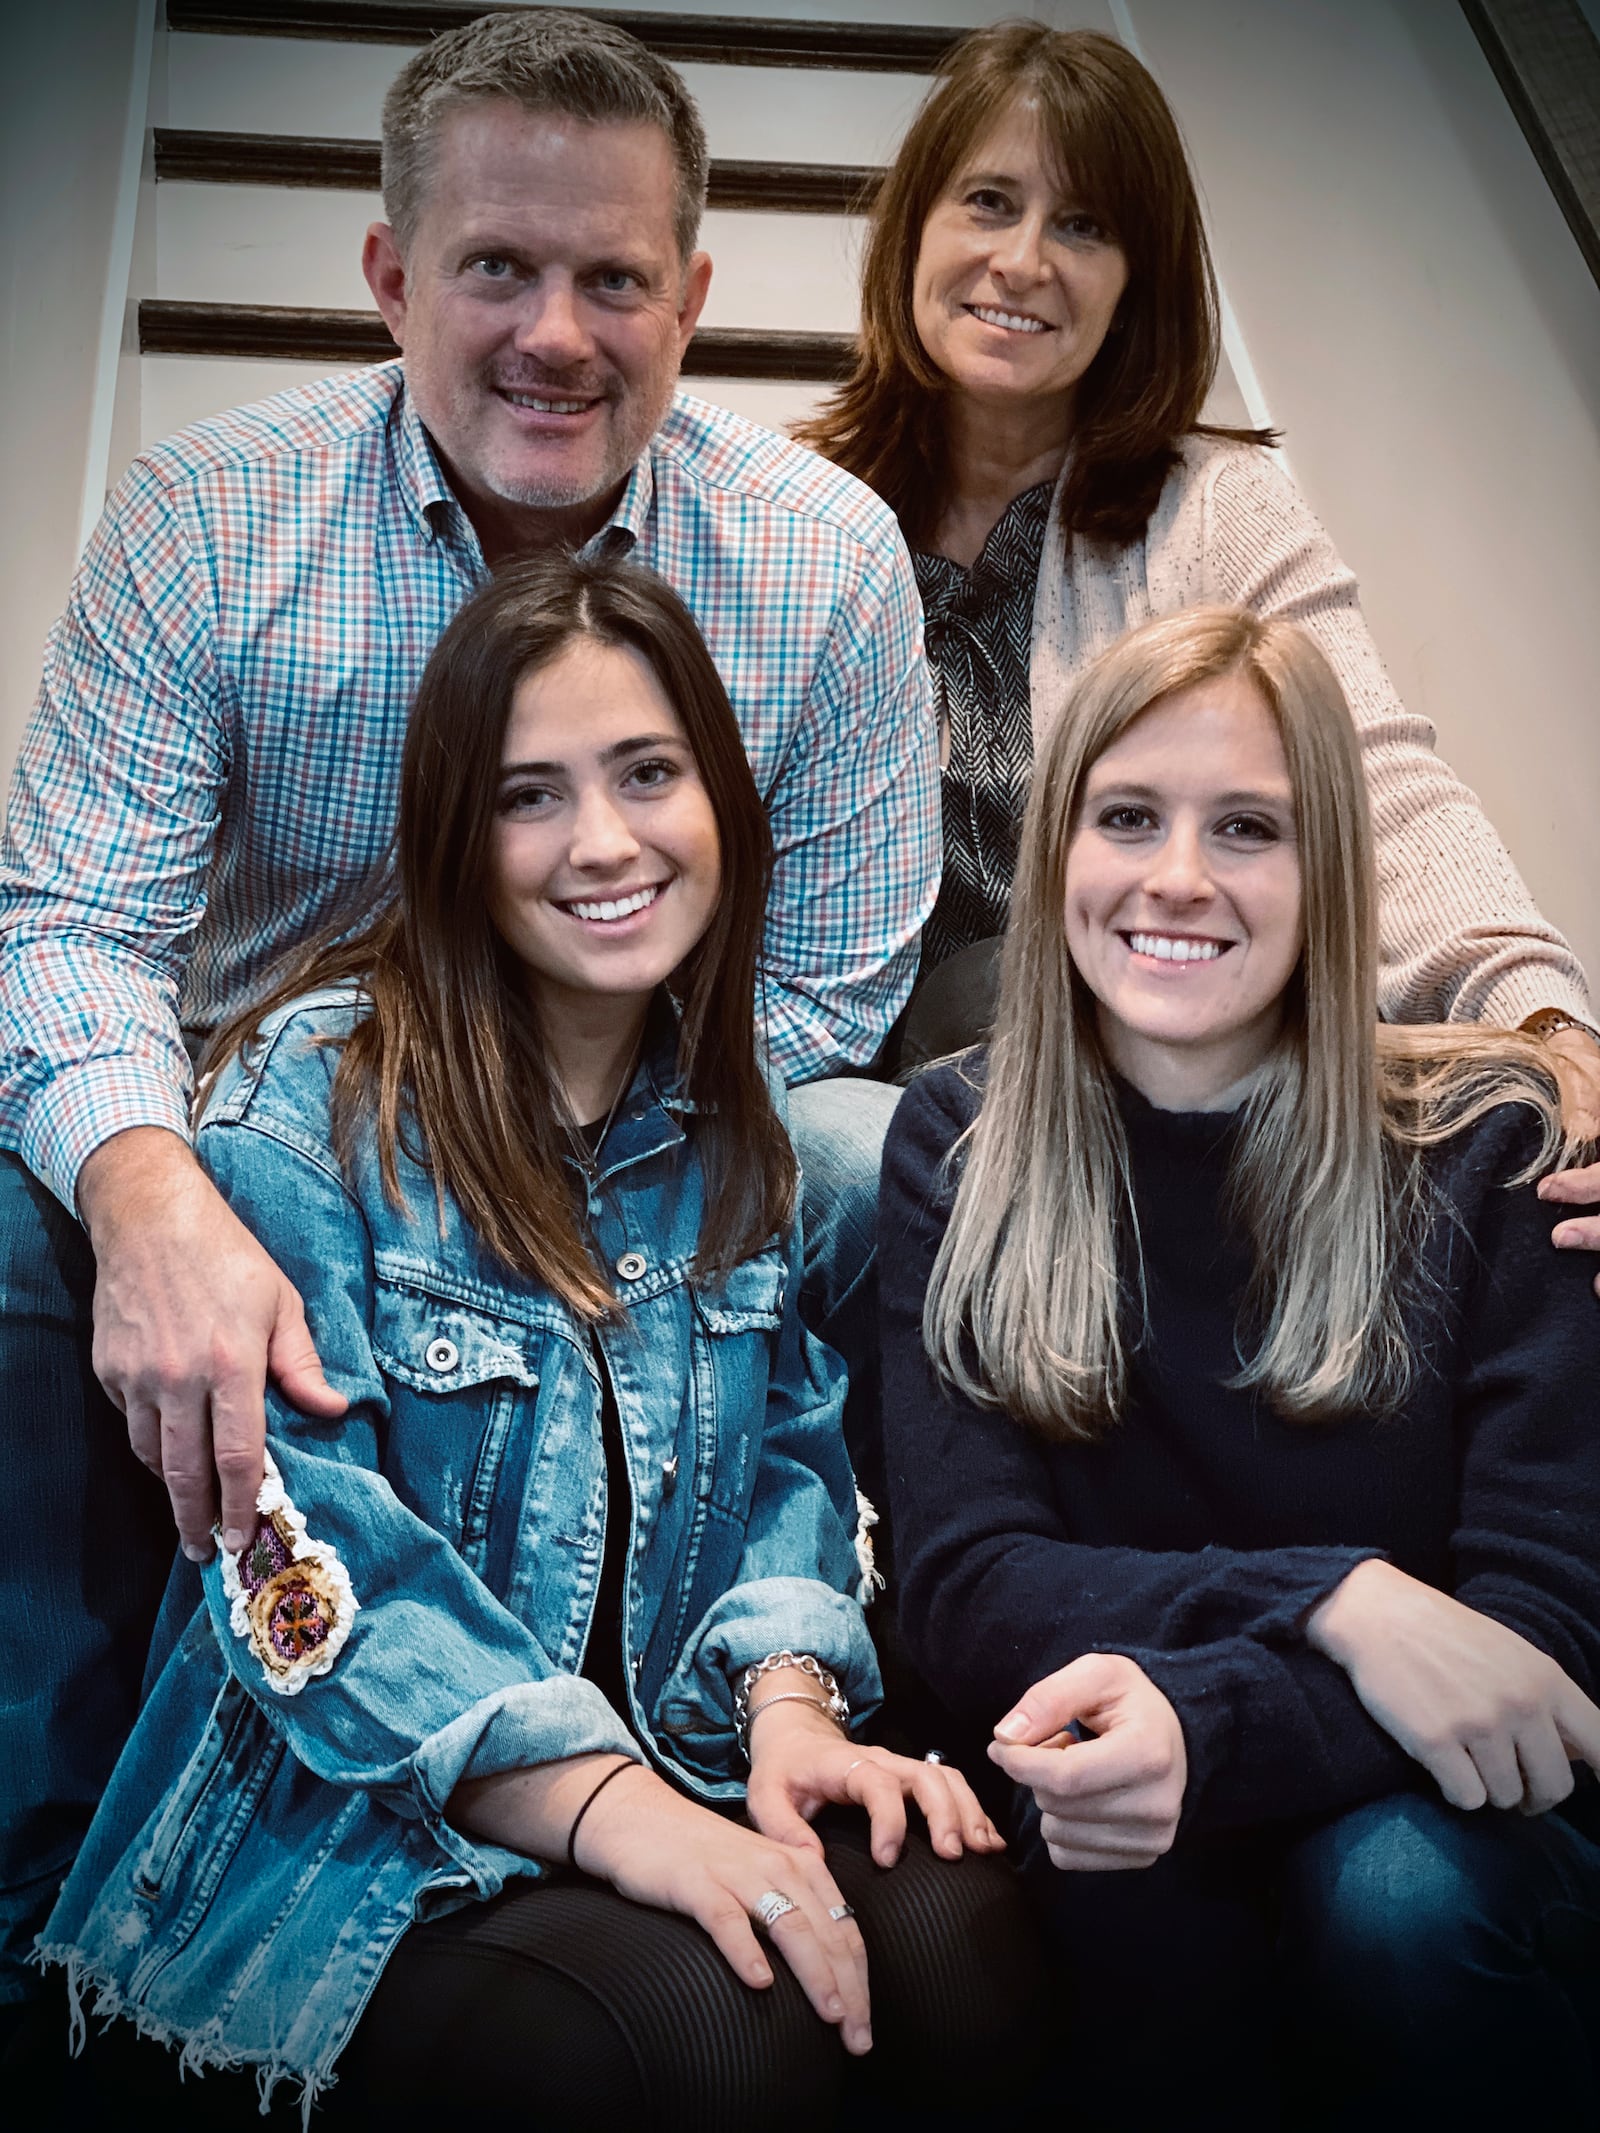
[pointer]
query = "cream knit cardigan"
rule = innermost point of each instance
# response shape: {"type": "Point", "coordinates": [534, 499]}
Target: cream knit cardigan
{"type": "Point", "coordinates": [1460, 938]}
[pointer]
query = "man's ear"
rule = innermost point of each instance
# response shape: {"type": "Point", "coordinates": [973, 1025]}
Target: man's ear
{"type": "Point", "coordinates": [696, 287]}
{"type": "Point", "coordinates": [385, 270]}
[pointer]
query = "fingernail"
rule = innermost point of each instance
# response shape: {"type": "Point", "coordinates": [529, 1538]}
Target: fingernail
{"type": "Point", "coordinates": [194, 1551]}
{"type": "Point", "coordinates": [1012, 1727]}
{"type": "Point", "coordinates": [951, 1847]}
{"type": "Point", "coordinates": [233, 1541]}
{"type": "Point", "coordinates": [761, 1974]}
{"type": "Point", "coordinates": [1564, 1235]}
{"type": "Point", "coordinates": [835, 2008]}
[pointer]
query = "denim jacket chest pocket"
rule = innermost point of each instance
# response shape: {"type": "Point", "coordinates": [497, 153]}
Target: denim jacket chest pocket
{"type": "Point", "coordinates": [740, 1316]}
{"type": "Point", "coordinates": [462, 1383]}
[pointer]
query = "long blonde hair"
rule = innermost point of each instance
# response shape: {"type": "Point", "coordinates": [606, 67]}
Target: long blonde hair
{"type": "Point", "coordinates": [1022, 1310]}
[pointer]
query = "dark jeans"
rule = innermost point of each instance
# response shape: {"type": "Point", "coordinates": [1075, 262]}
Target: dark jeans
{"type": "Point", "coordinates": [86, 1542]}
{"type": "Point", "coordinates": [1402, 1966]}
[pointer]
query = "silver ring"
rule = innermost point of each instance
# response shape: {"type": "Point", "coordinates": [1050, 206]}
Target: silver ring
{"type": "Point", "coordinates": [933, 1756]}
{"type": "Point", "coordinates": [772, 1905]}
{"type": "Point", "coordinates": [838, 1912]}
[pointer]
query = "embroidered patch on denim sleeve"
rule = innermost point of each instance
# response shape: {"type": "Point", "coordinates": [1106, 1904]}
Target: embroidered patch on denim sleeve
{"type": "Point", "coordinates": [291, 1597]}
{"type": "Point", "coordinates": [871, 1580]}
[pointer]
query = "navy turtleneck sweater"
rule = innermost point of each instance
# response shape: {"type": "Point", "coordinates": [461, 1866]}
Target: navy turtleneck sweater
{"type": "Point", "coordinates": [1199, 1534]}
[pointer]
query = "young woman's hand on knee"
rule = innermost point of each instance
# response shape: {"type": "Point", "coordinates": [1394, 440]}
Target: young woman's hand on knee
{"type": "Point", "coordinates": [1489, 1716]}
{"type": "Point", "coordinates": [800, 1761]}
{"type": "Point", "coordinates": [1113, 1798]}
{"type": "Point", "coordinates": [656, 1847]}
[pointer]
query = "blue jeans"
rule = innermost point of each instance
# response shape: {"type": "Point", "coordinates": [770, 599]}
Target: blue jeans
{"type": "Point", "coordinates": [86, 1542]}
{"type": "Point", "coordinates": [838, 1130]}
{"type": "Point", "coordinates": [1404, 1965]}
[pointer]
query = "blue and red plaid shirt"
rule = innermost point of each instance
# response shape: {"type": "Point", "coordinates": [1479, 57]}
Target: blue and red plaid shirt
{"type": "Point", "coordinates": [215, 753]}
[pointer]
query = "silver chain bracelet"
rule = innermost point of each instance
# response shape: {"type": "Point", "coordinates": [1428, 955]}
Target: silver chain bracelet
{"type": "Point", "coordinates": [837, 1707]}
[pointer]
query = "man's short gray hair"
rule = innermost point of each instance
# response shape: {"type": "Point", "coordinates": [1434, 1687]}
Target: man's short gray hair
{"type": "Point", "coordinates": [545, 60]}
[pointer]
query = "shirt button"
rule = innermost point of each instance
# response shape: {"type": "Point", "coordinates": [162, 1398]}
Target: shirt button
{"type": "Point", "coordinates": [442, 1355]}
{"type": "Point", "coordinates": [630, 1266]}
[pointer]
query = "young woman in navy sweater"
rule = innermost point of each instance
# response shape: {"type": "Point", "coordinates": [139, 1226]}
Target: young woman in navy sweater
{"type": "Point", "coordinates": [1241, 1419]}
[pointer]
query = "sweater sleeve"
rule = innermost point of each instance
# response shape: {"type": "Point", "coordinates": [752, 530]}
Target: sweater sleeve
{"type": "Point", "coordinates": [1460, 937]}
{"type": "Point", "coordinates": [1527, 1410]}
{"type": "Point", "coordinates": [995, 1594]}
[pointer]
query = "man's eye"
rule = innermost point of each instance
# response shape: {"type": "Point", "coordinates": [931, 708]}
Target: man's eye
{"type": "Point", "coordinates": [616, 281]}
{"type": "Point", "coordinates": [491, 266]}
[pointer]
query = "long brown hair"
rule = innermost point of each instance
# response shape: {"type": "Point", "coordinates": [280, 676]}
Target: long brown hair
{"type": "Point", "coordinates": [1023, 1310]}
{"type": "Point", "coordinates": [450, 1064]}
{"type": "Point", "coordinates": [1114, 137]}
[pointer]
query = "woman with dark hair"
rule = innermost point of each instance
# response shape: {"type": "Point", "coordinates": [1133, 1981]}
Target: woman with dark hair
{"type": "Point", "coordinates": [1039, 337]}
{"type": "Point", "coordinates": [585, 1542]}
{"type": "Point", "coordinates": [1241, 1430]}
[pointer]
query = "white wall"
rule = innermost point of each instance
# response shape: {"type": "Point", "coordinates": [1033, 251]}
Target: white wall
{"type": "Point", "coordinates": [1428, 336]}
{"type": "Point", "coordinates": [63, 106]}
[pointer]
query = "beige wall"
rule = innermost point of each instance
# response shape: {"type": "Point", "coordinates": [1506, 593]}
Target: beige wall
{"type": "Point", "coordinates": [63, 108]}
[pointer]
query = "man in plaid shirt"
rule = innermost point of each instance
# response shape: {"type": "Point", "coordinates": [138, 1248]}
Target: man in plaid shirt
{"type": "Point", "coordinates": [214, 758]}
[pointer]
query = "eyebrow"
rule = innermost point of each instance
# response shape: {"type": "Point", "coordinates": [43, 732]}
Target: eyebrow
{"type": "Point", "coordinates": [616, 753]}
{"type": "Point", "coordinates": [1129, 789]}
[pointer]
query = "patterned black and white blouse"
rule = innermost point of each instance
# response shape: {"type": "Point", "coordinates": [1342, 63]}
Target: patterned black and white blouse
{"type": "Point", "coordinates": [980, 625]}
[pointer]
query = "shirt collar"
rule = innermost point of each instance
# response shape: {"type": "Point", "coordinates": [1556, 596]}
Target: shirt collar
{"type": "Point", "coordinates": [427, 492]}
{"type": "Point", "coordinates": [626, 525]}
{"type": "Point", "coordinates": [422, 481]}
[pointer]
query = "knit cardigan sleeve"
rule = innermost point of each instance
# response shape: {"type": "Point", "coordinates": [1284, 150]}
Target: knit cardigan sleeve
{"type": "Point", "coordinates": [1460, 937]}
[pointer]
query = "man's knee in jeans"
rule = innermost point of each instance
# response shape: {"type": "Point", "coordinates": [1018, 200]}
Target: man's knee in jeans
{"type": "Point", "coordinates": [838, 1129]}
{"type": "Point", "coordinates": [88, 1544]}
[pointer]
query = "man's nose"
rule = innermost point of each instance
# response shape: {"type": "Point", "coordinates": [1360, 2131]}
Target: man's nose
{"type": "Point", "coordinates": [551, 329]}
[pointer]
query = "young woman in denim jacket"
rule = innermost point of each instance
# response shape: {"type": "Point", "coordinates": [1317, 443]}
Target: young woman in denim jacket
{"type": "Point", "coordinates": [1238, 1410]}
{"type": "Point", "coordinates": [585, 1535]}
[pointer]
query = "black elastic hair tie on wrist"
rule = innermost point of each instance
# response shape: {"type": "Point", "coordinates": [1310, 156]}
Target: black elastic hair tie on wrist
{"type": "Point", "coordinates": [615, 1771]}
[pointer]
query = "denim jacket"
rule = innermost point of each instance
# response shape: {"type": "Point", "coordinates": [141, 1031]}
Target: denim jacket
{"type": "Point", "coordinates": [277, 1818]}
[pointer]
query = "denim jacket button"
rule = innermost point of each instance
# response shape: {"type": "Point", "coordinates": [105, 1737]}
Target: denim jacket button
{"type": "Point", "coordinates": [441, 1355]}
{"type": "Point", "coordinates": [630, 1266]}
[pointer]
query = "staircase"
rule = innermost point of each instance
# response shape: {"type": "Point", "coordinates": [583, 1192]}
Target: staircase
{"type": "Point", "coordinates": [262, 176]}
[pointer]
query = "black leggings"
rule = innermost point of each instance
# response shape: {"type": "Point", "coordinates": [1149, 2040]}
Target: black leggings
{"type": "Point", "coordinates": [560, 2005]}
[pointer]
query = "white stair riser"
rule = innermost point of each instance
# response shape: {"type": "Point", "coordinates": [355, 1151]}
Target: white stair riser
{"type": "Point", "coordinates": [264, 244]}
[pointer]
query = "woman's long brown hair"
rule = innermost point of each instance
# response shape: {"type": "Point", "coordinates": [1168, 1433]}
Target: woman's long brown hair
{"type": "Point", "coordinates": [1115, 142]}
{"type": "Point", "coordinates": [450, 1065]}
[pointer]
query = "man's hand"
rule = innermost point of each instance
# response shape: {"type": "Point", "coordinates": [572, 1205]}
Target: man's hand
{"type": "Point", "coordinates": [799, 1760]}
{"type": "Point", "coordinates": [190, 1318]}
{"type": "Point", "coordinates": [1112, 1801]}
{"type": "Point", "coordinates": [1487, 1714]}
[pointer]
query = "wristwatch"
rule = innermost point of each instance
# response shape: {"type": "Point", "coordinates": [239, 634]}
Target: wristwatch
{"type": "Point", "coordinates": [1546, 1021]}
